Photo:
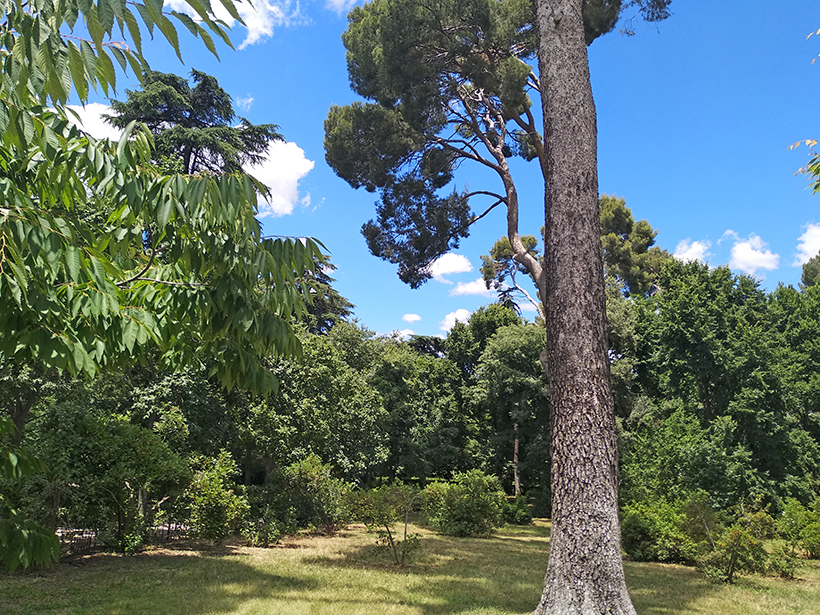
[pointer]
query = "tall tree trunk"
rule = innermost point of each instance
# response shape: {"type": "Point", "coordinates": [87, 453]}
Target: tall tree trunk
{"type": "Point", "coordinates": [585, 571]}
{"type": "Point", "coordinates": [516, 478]}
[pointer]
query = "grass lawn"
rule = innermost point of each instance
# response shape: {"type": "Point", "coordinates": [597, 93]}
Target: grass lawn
{"type": "Point", "coordinates": [342, 575]}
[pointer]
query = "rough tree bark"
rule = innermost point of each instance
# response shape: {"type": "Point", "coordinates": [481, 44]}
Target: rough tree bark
{"type": "Point", "coordinates": [585, 572]}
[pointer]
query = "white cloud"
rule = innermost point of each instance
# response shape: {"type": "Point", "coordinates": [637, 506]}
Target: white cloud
{"type": "Point", "coordinates": [260, 19]}
{"type": "Point", "coordinates": [340, 7]}
{"type": "Point", "coordinates": [688, 250]}
{"type": "Point", "coordinates": [751, 254]}
{"type": "Point", "coordinates": [447, 264]}
{"type": "Point", "coordinates": [808, 246]}
{"type": "Point", "coordinates": [402, 333]}
{"type": "Point", "coordinates": [476, 287]}
{"type": "Point", "coordinates": [411, 318]}
{"type": "Point", "coordinates": [284, 166]}
{"type": "Point", "coordinates": [244, 104]}
{"type": "Point", "coordinates": [450, 320]}
{"type": "Point", "coordinates": [91, 121]}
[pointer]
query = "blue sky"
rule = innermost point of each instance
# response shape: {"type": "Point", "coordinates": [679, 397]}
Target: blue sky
{"type": "Point", "coordinates": [695, 117]}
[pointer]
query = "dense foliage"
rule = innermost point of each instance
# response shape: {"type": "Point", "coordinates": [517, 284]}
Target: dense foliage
{"type": "Point", "coordinates": [107, 260]}
{"type": "Point", "coordinates": [717, 410]}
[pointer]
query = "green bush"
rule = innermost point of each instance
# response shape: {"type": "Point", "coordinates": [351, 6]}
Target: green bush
{"type": "Point", "coordinates": [379, 509]}
{"type": "Point", "coordinates": [262, 531]}
{"type": "Point", "coordinates": [517, 511]}
{"type": "Point", "coordinates": [736, 552]}
{"type": "Point", "coordinates": [214, 510]}
{"type": "Point", "coordinates": [791, 522]}
{"type": "Point", "coordinates": [310, 497]}
{"type": "Point", "coordinates": [654, 532]}
{"type": "Point", "coordinates": [470, 505]}
{"type": "Point", "coordinates": [782, 562]}
{"type": "Point", "coordinates": [800, 526]}
{"type": "Point", "coordinates": [810, 539]}
{"type": "Point", "coordinates": [302, 496]}
{"type": "Point", "coordinates": [740, 548]}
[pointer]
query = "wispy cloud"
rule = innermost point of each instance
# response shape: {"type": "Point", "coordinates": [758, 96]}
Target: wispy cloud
{"type": "Point", "coordinates": [244, 104]}
{"type": "Point", "coordinates": [340, 7]}
{"type": "Point", "coordinates": [448, 264]}
{"type": "Point", "coordinates": [460, 315]}
{"type": "Point", "coordinates": [751, 254]}
{"type": "Point", "coordinates": [411, 318]}
{"type": "Point", "coordinates": [808, 245]}
{"type": "Point", "coordinates": [476, 287]}
{"type": "Point", "coordinates": [688, 250]}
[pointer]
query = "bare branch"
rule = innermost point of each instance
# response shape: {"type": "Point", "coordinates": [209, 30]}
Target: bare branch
{"type": "Point", "coordinates": [538, 305]}
{"type": "Point", "coordinates": [469, 155]}
{"type": "Point", "coordinates": [488, 210]}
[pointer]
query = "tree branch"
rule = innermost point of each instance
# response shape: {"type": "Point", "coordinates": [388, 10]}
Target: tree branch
{"type": "Point", "coordinates": [538, 305]}
{"type": "Point", "coordinates": [469, 155]}
{"type": "Point", "coordinates": [141, 273]}
{"type": "Point", "coordinates": [167, 282]}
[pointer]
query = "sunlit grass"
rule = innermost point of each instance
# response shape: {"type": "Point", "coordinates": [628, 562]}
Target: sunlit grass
{"type": "Point", "coordinates": [342, 576]}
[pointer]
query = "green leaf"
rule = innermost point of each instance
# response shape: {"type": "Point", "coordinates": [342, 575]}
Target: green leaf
{"type": "Point", "coordinates": [95, 28]}
{"type": "Point", "coordinates": [106, 73]}
{"type": "Point", "coordinates": [129, 334]}
{"type": "Point", "coordinates": [164, 213]}
{"type": "Point", "coordinates": [231, 8]}
{"type": "Point", "coordinates": [105, 12]}
{"type": "Point", "coordinates": [120, 56]}
{"type": "Point", "coordinates": [72, 260]}
{"type": "Point", "coordinates": [134, 30]}
{"type": "Point", "coordinates": [170, 32]}
{"type": "Point", "coordinates": [89, 60]}
{"type": "Point", "coordinates": [187, 22]}
{"type": "Point", "coordinates": [118, 7]}
{"type": "Point", "coordinates": [209, 42]}
{"type": "Point", "coordinates": [148, 18]}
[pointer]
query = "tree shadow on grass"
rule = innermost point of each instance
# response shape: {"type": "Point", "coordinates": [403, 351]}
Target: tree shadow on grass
{"type": "Point", "coordinates": [500, 575]}
{"type": "Point", "coordinates": [668, 588]}
{"type": "Point", "coordinates": [175, 580]}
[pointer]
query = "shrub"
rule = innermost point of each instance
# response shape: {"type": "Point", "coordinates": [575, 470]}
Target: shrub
{"type": "Point", "coordinates": [791, 523]}
{"type": "Point", "coordinates": [800, 527]}
{"type": "Point", "coordinates": [810, 539]}
{"type": "Point", "coordinates": [214, 510]}
{"type": "Point", "coordinates": [517, 511]}
{"type": "Point", "coordinates": [470, 505]}
{"type": "Point", "coordinates": [740, 549]}
{"type": "Point", "coordinates": [541, 502]}
{"type": "Point", "coordinates": [654, 532]}
{"type": "Point", "coordinates": [737, 552]}
{"type": "Point", "coordinates": [262, 531]}
{"type": "Point", "coordinates": [782, 562]}
{"type": "Point", "coordinates": [310, 497]}
{"type": "Point", "coordinates": [380, 508]}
